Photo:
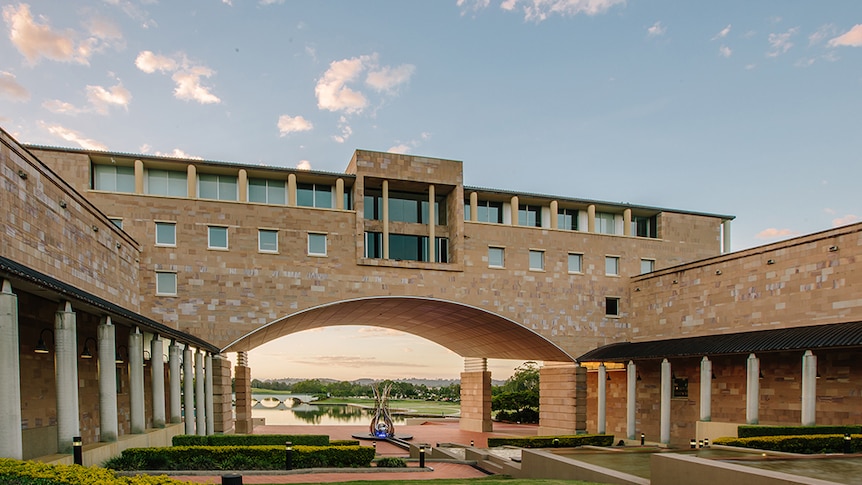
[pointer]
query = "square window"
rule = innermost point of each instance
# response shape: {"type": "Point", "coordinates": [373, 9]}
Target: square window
{"type": "Point", "coordinates": [496, 258]}
{"type": "Point", "coordinates": [605, 223]}
{"type": "Point", "coordinates": [612, 265]}
{"type": "Point", "coordinates": [537, 260]}
{"type": "Point", "coordinates": [267, 241]}
{"type": "Point", "coordinates": [576, 263]}
{"type": "Point", "coordinates": [612, 307]}
{"type": "Point", "coordinates": [316, 244]}
{"type": "Point", "coordinates": [217, 238]}
{"type": "Point", "coordinates": [166, 283]}
{"type": "Point", "coordinates": [166, 234]}
{"type": "Point", "coordinates": [647, 266]}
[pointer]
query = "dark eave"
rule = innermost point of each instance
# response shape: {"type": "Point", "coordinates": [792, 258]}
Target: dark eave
{"type": "Point", "coordinates": [830, 336]}
{"type": "Point", "coordinates": [31, 280]}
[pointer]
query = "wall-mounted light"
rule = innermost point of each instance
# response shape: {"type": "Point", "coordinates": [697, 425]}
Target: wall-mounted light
{"type": "Point", "coordinates": [761, 375]}
{"type": "Point", "coordinates": [22, 174]}
{"type": "Point", "coordinates": [638, 288]}
{"type": "Point", "coordinates": [63, 204]}
{"type": "Point", "coordinates": [713, 376]}
{"type": "Point", "coordinates": [608, 377]}
{"type": "Point", "coordinates": [41, 347]}
{"type": "Point", "coordinates": [85, 354]}
{"type": "Point", "coordinates": [718, 271]}
{"type": "Point", "coordinates": [95, 228]}
{"type": "Point", "coordinates": [832, 249]}
{"type": "Point", "coordinates": [118, 245]}
{"type": "Point", "coordinates": [770, 261]}
{"type": "Point", "coordinates": [147, 356]}
{"type": "Point", "coordinates": [638, 377]}
{"type": "Point", "coordinates": [675, 282]}
{"type": "Point", "coordinates": [118, 358]}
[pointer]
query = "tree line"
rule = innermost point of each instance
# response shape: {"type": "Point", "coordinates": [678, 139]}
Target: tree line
{"type": "Point", "coordinates": [400, 389]}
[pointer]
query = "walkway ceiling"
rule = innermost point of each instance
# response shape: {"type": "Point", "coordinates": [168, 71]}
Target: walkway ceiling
{"type": "Point", "coordinates": [466, 330]}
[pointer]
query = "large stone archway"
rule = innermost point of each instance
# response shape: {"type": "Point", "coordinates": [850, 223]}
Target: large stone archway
{"type": "Point", "coordinates": [473, 333]}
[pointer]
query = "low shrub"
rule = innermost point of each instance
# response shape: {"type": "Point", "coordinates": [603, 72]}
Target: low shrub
{"type": "Point", "coordinates": [251, 440]}
{"type": "Point", "coordinates": [808, 444]}
{"type": "Point", "coordinates": [566, 441]}
{"type": "Point", "coordinates": [344, 443]}
{"type": "Point", "coordinates": [391, 462]}
{"type": "Point", "coordinates": [240, 457]}
{"type": "Point", "coordinates": [17, 472]}
{"type": "Point", "coordinates": [751, 431]}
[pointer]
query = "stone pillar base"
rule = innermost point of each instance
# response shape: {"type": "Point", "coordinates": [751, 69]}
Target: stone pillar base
{"type": "Point", "coordinates": [222, 395]}
{"type": "Point", "coordinates": [562, 399]}
{"type": "Point", "coordinates": [476, 401]}
{"type": "Point", "coordinates": [242, 385]}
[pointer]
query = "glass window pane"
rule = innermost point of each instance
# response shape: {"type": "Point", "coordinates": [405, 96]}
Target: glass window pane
{"type": "Point", "coordinates": [125, 179]}
{"type": "Point", "coordinates": [178, 184]}
{"type": "Point", "coordinates": [305, 195]}
{"type": "Point", "coordinates": [257, 190]}
{"type": "Point", "coordinates": [317, 244]}
{"type": "Point", "coordinates": [323, 196]}
{"type": "Point", "coordinates": [537, 260]}
{"type": "Point", "coordinates": [495, 257]}
{"type": "Point", "coordinates": [612, 265]}
{"type": "Point", "coordinates": [104, 177]}
{"type": "Point", "coordinates": [218, 237]}
{"type": "Point", "coordinates": [117, 222]}
{"type": "Point", "coordinates": [612, 306]}
{"type": "Point", "coordinates": [166, 283]}
{"type": "Point", "coordinates": [207, 186]}
{"type": "Point", "coordinates": [166, 233]}
{"type": "Point", "coordinates": [275, 192]}
{"type": "Point", "coordinates": [647, 266]}
{"type": "Point", "coordinates": [227, 188]}
{"type": "Point", "coordinates": [157, 182]}
{"type": "Point", "coordinates": [575, 261]}
{"type": "Point", "coordinates": [268, 240]}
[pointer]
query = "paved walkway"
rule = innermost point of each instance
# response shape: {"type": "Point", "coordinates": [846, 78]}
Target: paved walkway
{"type": "Point", "coordinates": [431, 432]}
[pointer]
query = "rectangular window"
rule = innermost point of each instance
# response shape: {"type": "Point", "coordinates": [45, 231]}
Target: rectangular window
{"type": "Point", "coordinates": [217, 187]}
{"type": "Point", "coordinates": [165, 182]}
{"type": "Point", "coordinates": [267, 240]}
{"type": "Point", "coordinates": [116, 221]}
{"type": "Point", "coordinates": [529, 215]}
{"type": "Point", "coordinates": [267, 191]}
{"type": "Point", "coordinates": [680, 387]}
{"type": "Point", "coordinates": [647, 266]}
{"type": "Point", "coordinates": [612, 307]}
{"type": "Point", "coordinates": [442, 249]}
{"type": "Point", "coordinates": [166, 283]}
{"type": "Point", "coordinates": [576, 263]}
{"type": "Point", "coordinates": [166, 234]}
{"type": "Point", "coordinates": [314, 195]}
{"type": "Point", "coordinates": [112, 178]}
{"type": "Point", "coordinates": [316, 244]}
{"type": "Point", "coordinates": [489, 211]}
{"type": "Point", "coordinates": [567, 219]}
{"type": "Point", "coordinates": [466, 211]}
{"type": "Point", "coordinates": [644, 226]}
{"type": "Point", "coordinates": [605, 223]}
{"type": "Point", "coordinates": [496, 257]}
{"type": "Point", "coordinates": [374, 245]}
{"type": "Point", "coordinates": [537, 260]}
{"type": "Point", "coordinates": [612, 265]}
{"type": "Point", "coordinates": [217, 237]}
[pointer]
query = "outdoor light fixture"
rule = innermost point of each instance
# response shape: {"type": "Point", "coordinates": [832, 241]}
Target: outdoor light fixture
{"type": "Point", "coordinates": [77, 449]}
{"type": "Point", "coordinates": [706, 442]}
{"type": "Point", "coordinates": [761, 375]}
{"type": "Point", "coordinates": [118, 358]}
{"type": "Point", "coordinates": [832, 249]}
{"type": "Point", "coordinates": [643, 437]}
{"type": "Point", "coordinates": [421, 456]}
{"type": "Point", "coordinates": [718, 271]}
{"type": "Point", "coordinates": [608, 377]}
{"type": "Point", "coordinates": [147, 356]}
{"type": "Point", "coordinates": [288, 455]}
{"type": "Point", "coordinates": [95, 228]}
{"type": "Point", "coordinates": [770, 261]}
{"type": "Point", "coordinates": [692, 443]}
{"type": "Point", "coordinates": [63, 204]}
{"type": "Point", "coordinates": [22, 174]}
{"type": "Point", "coordinates": [847, 442]}
{"type": "Point", "coordinates": [41, 347]}
{"type": "Point", "coordinates": [713, 376]}
{"type": "Point", "coordinates": [639, 376]}
{"type": "Point", "coordinates": [85, 354]}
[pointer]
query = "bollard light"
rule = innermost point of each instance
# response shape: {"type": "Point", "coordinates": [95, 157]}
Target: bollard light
{"type": "Point", "coordinates": [471, 443]}
{"type": "Point", "coordinates": [692, 443]}
{"type": "Point", "coordinates": [421, 456]}
{"type": "Point", "coordinates": [288, 455]}
{"type": "Point", "coordinates": [231, 479]}
{"type": "Point", "coordinates": [556, 442]}
{"type": "Point", "coordinates": [700, 443]}
{"type": "Point", "coordinates": [847, 442]}
{"type": "Point", "coordinates": [77, 449]}
{"type": "Point", "coordinates": [642, 439]}
{"type": "Point", "coordinates": [706, 442]}
{"type": "Point", "coordinates": [374, 445]}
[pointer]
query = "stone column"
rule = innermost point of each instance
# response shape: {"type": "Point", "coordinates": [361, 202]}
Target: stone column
{"type": "Point", "coordinates": [432, 226]}
{"type": "Point", "coordinates": [291, 190]}
{"type": "Point", "coordinates": [555, 208]}
{"type": "Point", "coordinates": [157, 367]}
{"type": "Point", "coordinates": [136, 382]}
{"type": "Point", "coordinates": [11, 446]}
{"type": "Point", "coordinates": [627, 222]}
{"type": "Point", "coordinates": [752, 392]}
{"type": "Point", "coordinates": [242, 387]}
{"type": "Point", "coordinates": [631, 400]}
{"type": "Point", "coordinates": [725, 231]}
{"type": "Point", "coordinates": [476, 396]}
{"type": "Point", "coordinates": [562, 398]}
{"type": "Point", "coordinates": [174, 353]}
{"type": "Point", "coordinates": [108, 417]}
{"type": "Point", "coordinates": [591, 218]}
{"type": "Point", "coordinates": [222, 396]}
{"type": "Point", "coordinates": [665, 401]}
{"type": "Point", "coordinates": [208, 393]}
{"type": "Point", "coordinates": [385, 191]}
{"type": "Point", "coordinates": [200, 401]}
{"type": "Point", "coordinates": [66, 371]}
{"type": "Point", "coordinates": [809, 388]}
{"type": "Point", "coordinates": [514, 205]}
{"type": "Point", "coordinates": [602, 388]}
{"type": "Point", "coordinates": [192, 182]}
{"type": "Point", "coordinates": [339, 193]}
{"type": "Point", "coordinates": [474, 206]}
{"type": "Point", "coordinates": [242, 185]}
{"type": "Point", "coordinates": [188, 391]}
{"type": "Point", "coordinates": [139, 177]}
{"type": "Point", "coordinates": [705, 389]}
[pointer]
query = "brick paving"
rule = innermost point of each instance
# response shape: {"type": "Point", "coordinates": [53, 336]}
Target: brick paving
{"type": "Point", "coordinates": [431, 432]}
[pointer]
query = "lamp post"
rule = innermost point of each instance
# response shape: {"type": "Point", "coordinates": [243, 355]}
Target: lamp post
{"type": "Point", "coordinates": [421, 456]}
{"type": "Point", "coordinates": [288, 455]}
{"type": "Point", "coordinates": [77, 450]}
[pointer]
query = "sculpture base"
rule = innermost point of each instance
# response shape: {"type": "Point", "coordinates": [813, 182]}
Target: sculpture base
{"type": "Point", "coordinates": [369, 436]}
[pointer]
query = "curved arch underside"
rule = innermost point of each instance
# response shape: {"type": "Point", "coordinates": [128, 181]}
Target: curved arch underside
{"type": "Point", "coordinates": [467, 331]}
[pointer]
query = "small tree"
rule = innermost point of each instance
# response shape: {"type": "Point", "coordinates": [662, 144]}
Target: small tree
{"type": "Point", "coordinates": [518, 398]}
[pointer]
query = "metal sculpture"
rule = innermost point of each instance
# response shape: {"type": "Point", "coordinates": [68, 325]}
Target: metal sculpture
{"type": "Point", "coordinates": [381, 424]}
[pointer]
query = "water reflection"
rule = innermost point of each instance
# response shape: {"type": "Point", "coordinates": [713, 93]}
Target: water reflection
{"type": "Point", "coordinates": [325, 414]}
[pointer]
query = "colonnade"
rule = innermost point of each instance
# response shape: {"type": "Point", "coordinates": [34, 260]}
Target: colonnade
{"type": "Point", "coordinates": [752, 395]}
{"type": "Point", "coordinates": [199, 413]}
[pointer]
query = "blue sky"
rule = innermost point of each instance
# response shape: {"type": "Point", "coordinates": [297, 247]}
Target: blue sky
{"type": "Point", "coordinates": [743, 108]}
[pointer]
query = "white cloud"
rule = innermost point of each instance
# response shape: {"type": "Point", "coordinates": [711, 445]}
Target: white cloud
{"type": "Point", "coordinates": [387, 78]}
{"type": "Point", "coordinates": [35, 40]}
{"type": "Point", "coordinates": [288, 124]}
{"type": "Point", "coordinates": [408, 146]}
{"type": "Point", "coordinates": [804, 62]}
{"type": "Point", "coordinates": [175, 153]}
{"type": "Point", "coordinates": [656, 30]}
{"type": "Point", "coordinates": [186, 75]}
{"type": "Point", "coordinates": [102, 98]}
{"type": "Point", "coordinates": [780, 43]}
{"type": "Point", "coordinates": [304, 165]}
{"type": "Point", "coordinates": [401, 148]}
{"type": "Point", "coordinates": [773, 233]}
{"type": "Point", "coordinates": [346, 131]}
{"type": "Point", "coordinates": [725, 51]}
{"type": "Point", "coordinates": [134, 12]}
{"type": "Point", "coordinates": [843, 221]}
{"type": "Point", "coordinates": [73, 136]}
{"type": "Point", "coordinates": [851, 38]}
{"type": "Point", "coordinates": [61, 107]}
{"type": "Point", "coordinates": [723, 33]}
{"type": "Point", "coordinates": [823, 32]}
{"type": "Point", "coordinates": [10, 88]}
{"type": "Point", "coordinates": [539, 10]}
{"type": "Point", "coordinates": [331, 90]}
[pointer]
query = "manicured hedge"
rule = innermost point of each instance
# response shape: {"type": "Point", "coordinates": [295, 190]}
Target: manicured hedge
{"type": "Point", "coordinates": [548, 441]}
{"type": "Point", "coordinates": [344, 443]}
{"type": "Point", "coordinates": [251, 440]}
{"type": "Point", "coordinates": [751, 431]}
{"type": "Point", "coordinates": [240, 457]}
{"type": "Point", "coordinates": [808, 444]}
{"type": "Point", "coordinates": [34, 473]}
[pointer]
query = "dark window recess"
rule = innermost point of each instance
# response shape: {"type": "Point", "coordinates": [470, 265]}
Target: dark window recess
{"type": "Point", "coordinates": [612, 306]}
{"type": "Point", "coordinates": [680, 387]}
{"type": "Point", "coordinates": [645, 226]}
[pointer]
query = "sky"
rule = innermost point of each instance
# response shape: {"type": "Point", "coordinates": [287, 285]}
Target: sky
{"type": "Point", "coordinates": [750, 109]}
